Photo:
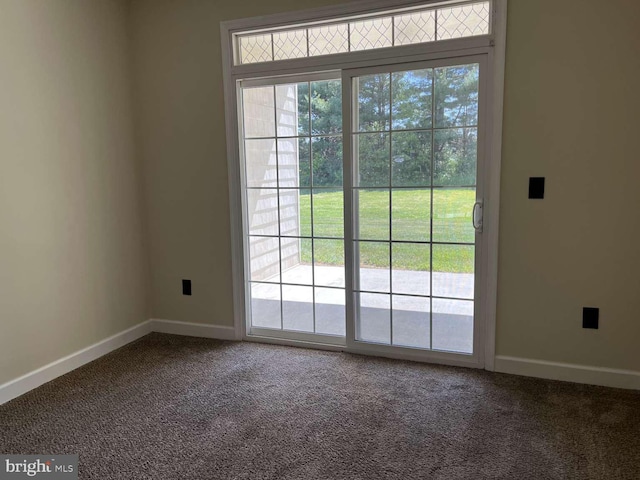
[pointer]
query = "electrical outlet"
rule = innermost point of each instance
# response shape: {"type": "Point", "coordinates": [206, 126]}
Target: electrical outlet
{"type": "Point", "coordinates": [186, 287]}
{"type": "Point", "coordinates": [536, 187]}
{"type": "Point", "coordinates": [590, 317]}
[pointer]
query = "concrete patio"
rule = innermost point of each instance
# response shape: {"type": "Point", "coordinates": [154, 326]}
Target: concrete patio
{"type": "Point", "coordinates": [451, 320]}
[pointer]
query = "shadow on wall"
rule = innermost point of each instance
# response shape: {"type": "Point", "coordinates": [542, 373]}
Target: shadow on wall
{"type": "Point", "coordinates": [272, 162]}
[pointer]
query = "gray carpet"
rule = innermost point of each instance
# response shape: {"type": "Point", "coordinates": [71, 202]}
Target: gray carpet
{"type": "Point", "coordinates": [169, 407]}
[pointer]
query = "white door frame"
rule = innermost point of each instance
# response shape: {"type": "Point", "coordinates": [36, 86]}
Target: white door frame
{"type": "Point", "coordinates": [493, 46]}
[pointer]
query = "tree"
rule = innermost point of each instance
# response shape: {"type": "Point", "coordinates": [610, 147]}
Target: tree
{"type": "Point", "coordinates": [411, 104]}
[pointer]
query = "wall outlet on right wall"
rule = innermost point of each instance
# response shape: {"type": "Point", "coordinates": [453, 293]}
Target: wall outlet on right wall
{"type": "Point", "coordinates": [536, 187]}
{"type": "Point", "coordinates": [590, 317]}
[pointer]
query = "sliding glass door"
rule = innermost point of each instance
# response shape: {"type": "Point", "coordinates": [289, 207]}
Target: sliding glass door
{"type": "Point", "coordinates": [396, 194]}
{"type": "Point", "coordinates": [413, 170]}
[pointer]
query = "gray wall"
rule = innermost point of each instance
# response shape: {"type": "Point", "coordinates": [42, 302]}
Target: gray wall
{"type": "Point", "coordinates": [72, 260]}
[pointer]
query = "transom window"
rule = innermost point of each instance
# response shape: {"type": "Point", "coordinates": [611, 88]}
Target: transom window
{"type": "Point", "coordinates": [366, 32]}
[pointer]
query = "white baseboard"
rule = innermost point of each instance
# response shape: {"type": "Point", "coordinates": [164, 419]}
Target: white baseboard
{"type": "Point", "coordinates": [193, 329]}
{"type": "Point", "coordinates": [608, 377]}
{"type": "Point", "coordinates": [31, 380]}
{"type": "Point", "coordinates": [568, 372]}
{"type": "Point", "coordinates": [34, 379]}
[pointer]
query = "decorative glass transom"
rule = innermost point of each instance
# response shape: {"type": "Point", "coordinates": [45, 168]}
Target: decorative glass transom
{"type": "Point", "coordinates": [366, 32]}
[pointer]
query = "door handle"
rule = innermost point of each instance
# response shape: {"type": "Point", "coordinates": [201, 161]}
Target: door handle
{"type": "Point", "coordinates": [477, 216]}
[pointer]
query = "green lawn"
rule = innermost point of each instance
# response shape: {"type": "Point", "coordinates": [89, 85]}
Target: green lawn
{"type": "Point", "coordinates": [411, 210]}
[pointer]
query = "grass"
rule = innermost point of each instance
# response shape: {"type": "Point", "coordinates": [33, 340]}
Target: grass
{"type": "Point", "coordinates": [410, 212]}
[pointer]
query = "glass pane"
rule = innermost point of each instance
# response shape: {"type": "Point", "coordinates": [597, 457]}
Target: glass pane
{"type": "Point", "coordinates": [456, 156]}
{"type": "Point", "coordinates": [411, 159]}
{"type": "Point", "coordinates": [411, 266]}
{"type": "Point", "coordinates": [293, 162]}
{"type": "Point", "coordinates": [255, 48]}
{"type": "Point", "coordinates": [264, 257]}
{"type": "Point", "coordinates": [290, 44]}
{"type": "Point", "coordinates": [329, 262]}
{"type": "Point", "coordinates": [327, 161]}
{"type": "Point", "coordinates": [287, 105]}
{"type": "Point", "coordinates": [453, 271]}
{"type": "Point", "coordinates": [262, 211]}
{"type": "Point", "coordinates": [258, 111]}
{"type": "Point", "coordinates": [291, 214]}
{"type": "Point", "coordinates": [260, 159]}
{"type": "Point", "coordinates": [288, 166]}
{"type": "Point", "coordinates": [369, 34]}
{"type": "Point", "coordinates": [411, 214]}
{"type": "Point", "coordinates": [330, 311]}
{"type": "Point", "coordinates": [452, 212]}
{"type": "Point", "coordinates": [373, 102]}
{"type": "Point", "coordinates": [373, 159]}
{"type": "Point", "coordinates": [375, 318]}
{"type": "Point", "coordinates": [328, 213]}
{"type": "Point", "coordinates": [411, 318]}
{"type": "Point", "coordinates": [452, 323]}
{"type": "Point", "coordinates": [265, 305]}
{"type": "Point", "coordinates": [374, 266]}
{"type": "Point", "coordinates": [305, 213]}
{"type": "Point", "coordinates": [456, 92]}
{"type": "Point", "coordinates": [463, 21]}
{"type": "Point", "coordinates": [328, 39]}
{"type": "Point", "coordinates": [290, 256]}
{"type": "Point", "coordinates": [303, 109]}
{"type": "Point", "coordinates": [297, 308]}
{"type": "Point", "coordinates": [415, 27]}
{"type": "Point", "coordinates": [373, 214]}
{"type": "Point", "coordinates": [326, 107]}
{"type": "Point", "coordinates": [296, 261]}
{"type": "Point", "coordinates": [412, 100]}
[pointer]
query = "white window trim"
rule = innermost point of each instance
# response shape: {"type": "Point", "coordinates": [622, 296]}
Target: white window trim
{"type": "Point", "coordinates": [494, 45]}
